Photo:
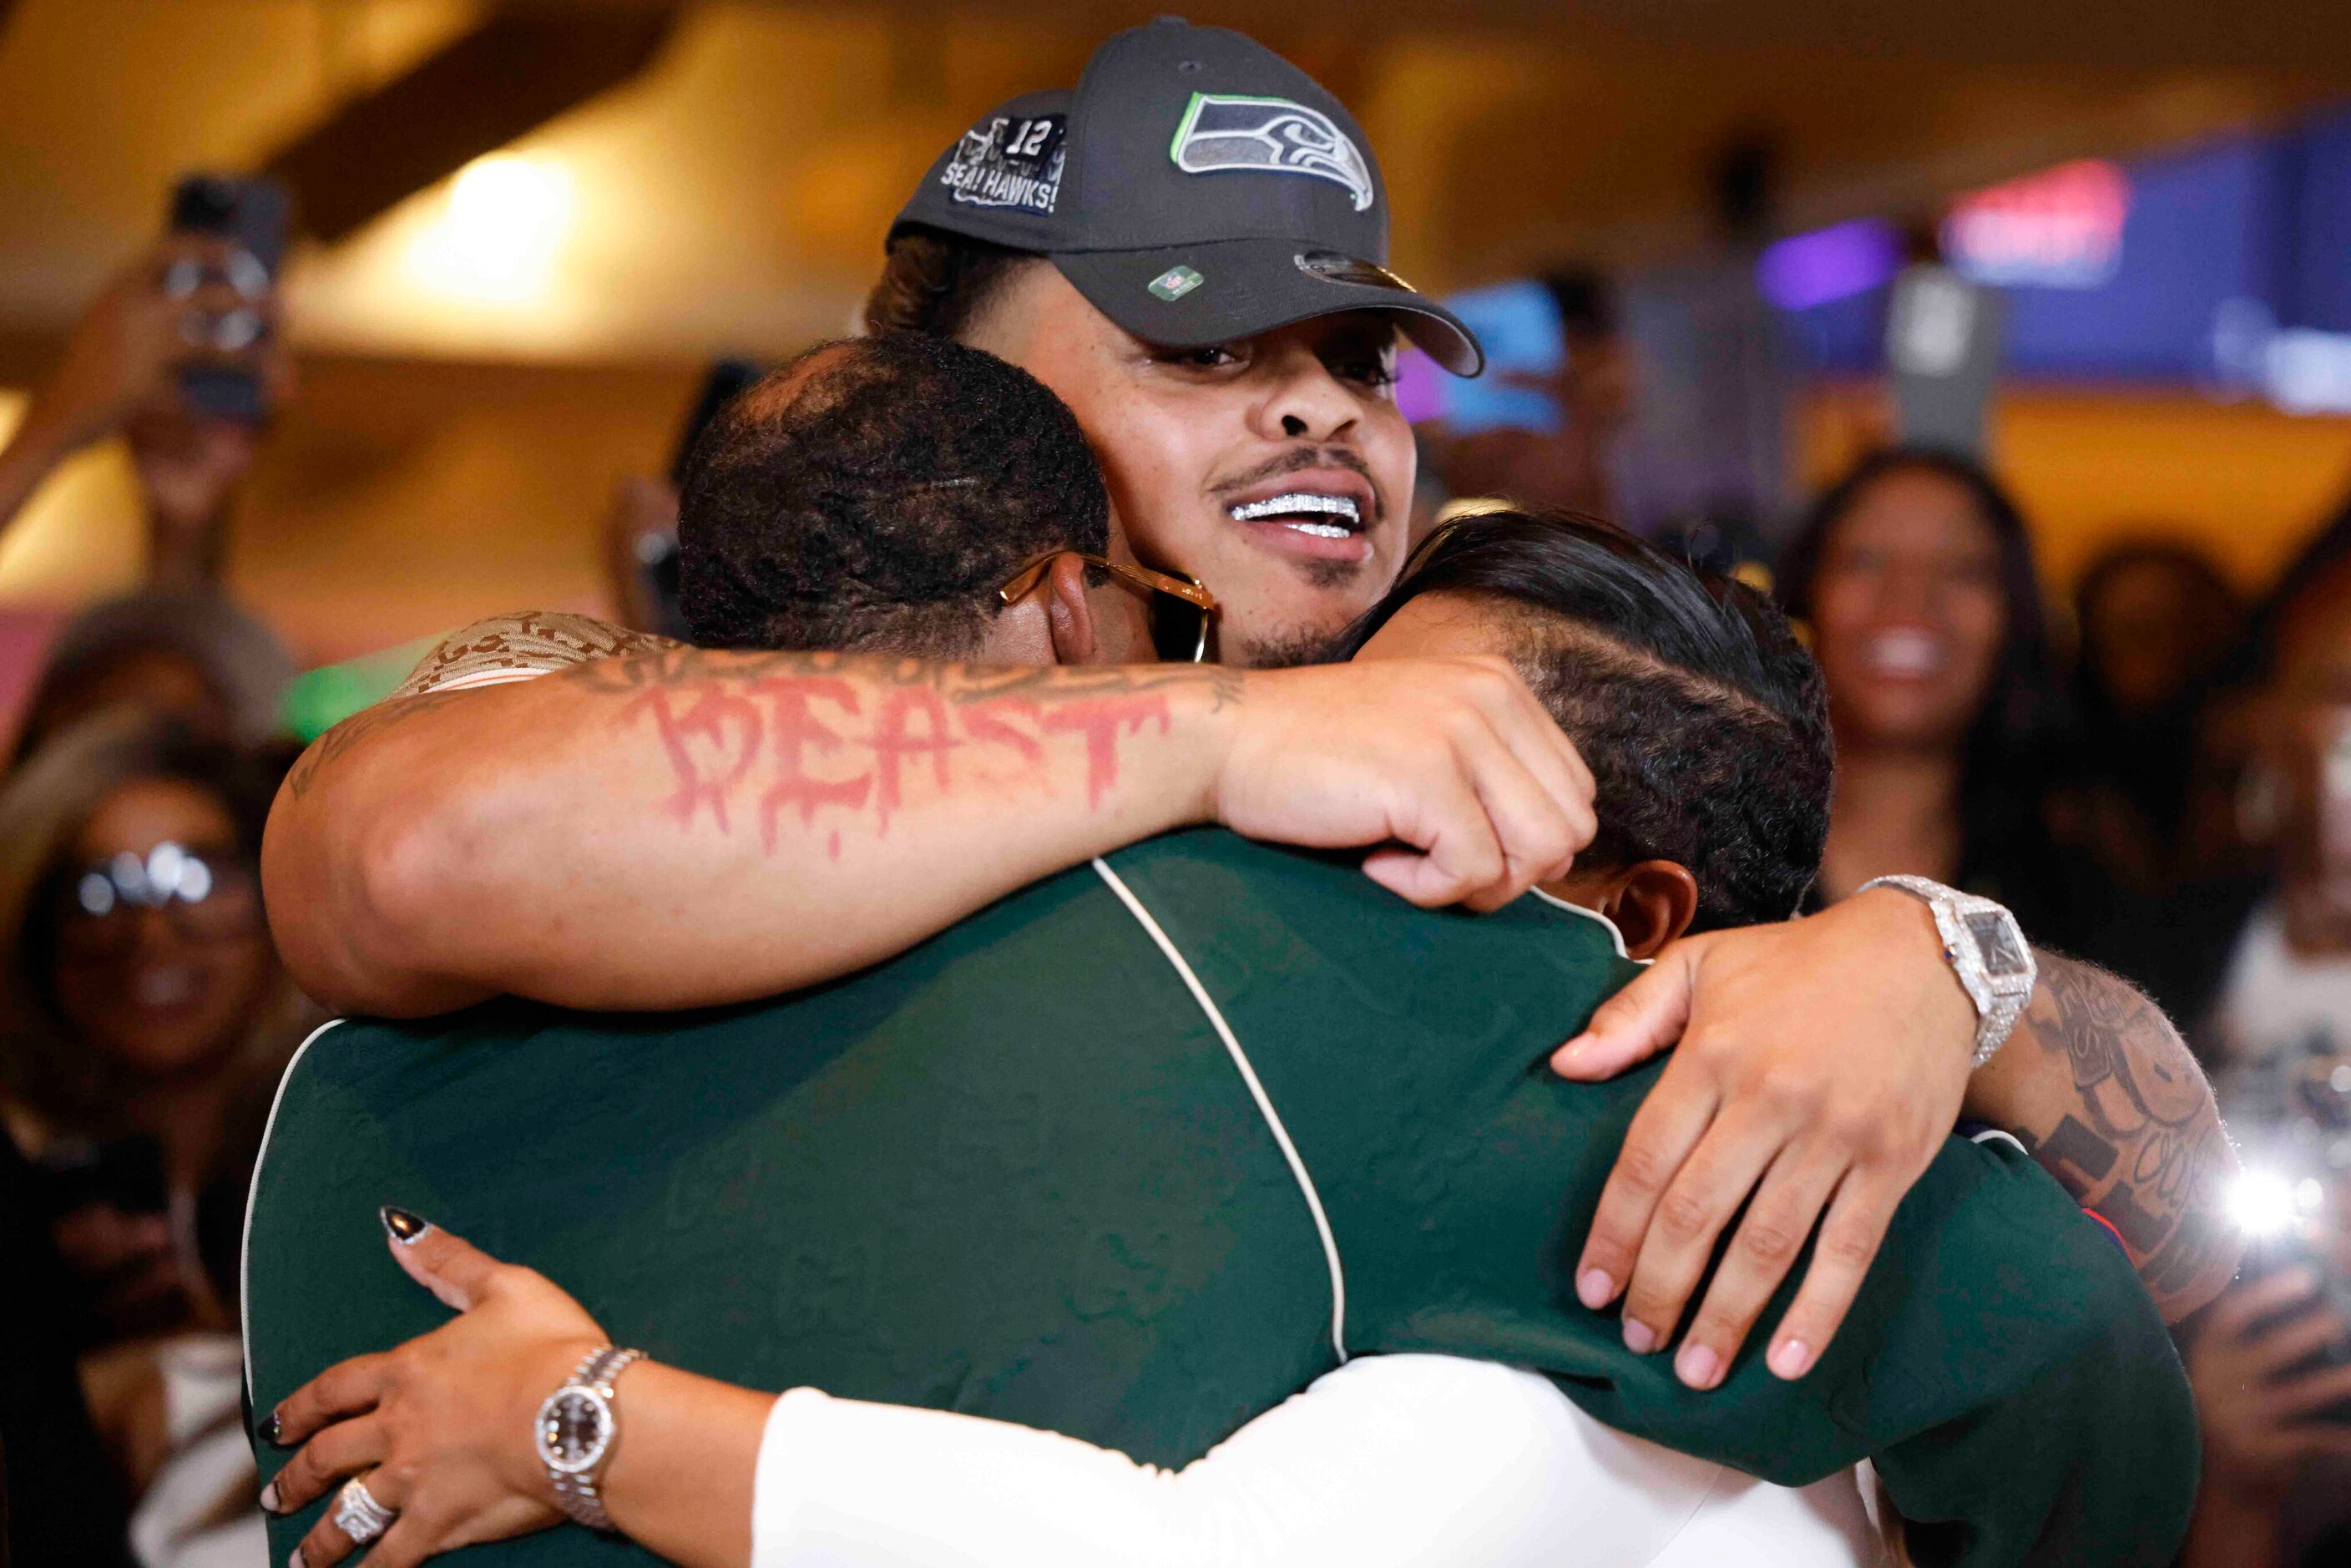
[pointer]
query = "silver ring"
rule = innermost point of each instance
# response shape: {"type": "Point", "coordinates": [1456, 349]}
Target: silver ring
{"type": "Point", "coordinates": [359, 1515]}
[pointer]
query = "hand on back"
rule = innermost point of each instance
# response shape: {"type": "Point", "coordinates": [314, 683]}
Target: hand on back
{"type": "Point", "coordinates": [1819, 1065]}
{"type": "Point", "coordinates": [439, 1428]}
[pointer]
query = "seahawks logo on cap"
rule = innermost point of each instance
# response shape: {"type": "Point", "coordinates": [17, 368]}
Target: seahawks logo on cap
{"type": "Point", "coordinates": [1268, 136]}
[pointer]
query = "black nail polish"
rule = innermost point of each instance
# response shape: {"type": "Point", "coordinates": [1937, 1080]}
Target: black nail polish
{"type": "Point", "coordinates": [402, 1225]}
{"type": "Point", "coordinates": [267, 1429]}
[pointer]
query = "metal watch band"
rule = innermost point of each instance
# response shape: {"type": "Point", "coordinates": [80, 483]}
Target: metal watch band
{"type": "Point", "coordinates": [1998, 1006]}
{"type": "Point", "coordinates": [1994, 1027]}
{"type": "Point", "coordinates": [579, 1493]}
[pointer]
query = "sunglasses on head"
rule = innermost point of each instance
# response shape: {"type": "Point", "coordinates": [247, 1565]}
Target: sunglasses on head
{"type": "Point", "coordinates": [1181, 607]}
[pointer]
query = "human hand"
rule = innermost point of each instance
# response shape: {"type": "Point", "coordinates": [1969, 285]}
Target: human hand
{"type": "Point", "coordinates": [1821, 1063]}
{"type": "Point", "coordinates": [2260, 1422]}
{"type": "Point", "coordinates": [1450, 766]}
{"type": "Point", "coordinates": [122, 353]}
{"type": "Point", "coordinates": [440, 1428]}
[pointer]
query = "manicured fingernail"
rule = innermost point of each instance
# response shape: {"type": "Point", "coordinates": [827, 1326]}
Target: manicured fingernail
{"type": "Point", "coordinates": [1697, 1367]}
{"type": "Point", "coordinates": [1570, 1054]}
{"type": "Point", "coordinates": [1638, 1339]}
{"type": "Point", "coordinates": [1791, 1358]}
{"type": "Point", "coordinates": [269, 1498]}
{"type": "Point", "coordinates": [267, 1430]}
{"type": "Point", "coordinates": [295, 1559]}
{"type": "Point", "coordinates": [1595, 1288]}
{"type": "Point", "coordinates": [402, 1225]}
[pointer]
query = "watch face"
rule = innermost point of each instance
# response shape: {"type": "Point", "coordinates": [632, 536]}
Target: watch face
{"type": "Point", "coordinates": [574, 1427]}
{"type": "Point", "coordinates": [1998, 944]}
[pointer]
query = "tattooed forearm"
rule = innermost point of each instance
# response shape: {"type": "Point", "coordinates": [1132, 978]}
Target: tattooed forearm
{"type": "Point", "coordinates": [776, 739]}
{"type": "Point", "coordinates": [2138, 1140]}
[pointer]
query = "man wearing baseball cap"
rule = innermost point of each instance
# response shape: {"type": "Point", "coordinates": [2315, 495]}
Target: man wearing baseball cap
{"type": "Point", "coordinates": [1190, 248]}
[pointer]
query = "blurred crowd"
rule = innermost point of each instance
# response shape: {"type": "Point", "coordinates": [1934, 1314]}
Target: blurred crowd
{"type": "Point", "coordinates": [2155, 774]}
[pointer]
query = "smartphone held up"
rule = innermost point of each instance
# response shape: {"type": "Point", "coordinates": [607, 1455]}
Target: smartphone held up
{"type": "Point", "coordinates": [227, 286]}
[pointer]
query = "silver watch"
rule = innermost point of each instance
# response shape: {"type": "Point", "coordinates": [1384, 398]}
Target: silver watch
{"type": "Point", "coordinates": [577, 1430]}
{"type": "Point", "coordinates": [1987, 950]}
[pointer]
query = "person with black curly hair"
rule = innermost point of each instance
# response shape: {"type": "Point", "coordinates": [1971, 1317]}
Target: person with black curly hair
{"type": "Point", "coordinates": [811, 517]}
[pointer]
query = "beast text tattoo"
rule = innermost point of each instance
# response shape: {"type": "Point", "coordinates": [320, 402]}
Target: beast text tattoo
{"type": "Point", "coordinates": [2141, 1147]}
{"type": "Point", "coordinates": [774, 740]}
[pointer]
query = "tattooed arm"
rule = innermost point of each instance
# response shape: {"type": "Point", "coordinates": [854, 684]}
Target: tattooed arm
{"type": "Point", "coordinates": [2100, 1087]}
{"type": "Point", "coordinates": [680, 828]}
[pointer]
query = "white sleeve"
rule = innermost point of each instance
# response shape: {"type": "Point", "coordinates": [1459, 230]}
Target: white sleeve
{"type": "Point", "coordinates": [1406, 1459]}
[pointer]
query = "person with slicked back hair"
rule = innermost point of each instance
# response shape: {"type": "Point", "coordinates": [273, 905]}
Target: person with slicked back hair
{"type": "Point", "coordinates": [1702, 718]}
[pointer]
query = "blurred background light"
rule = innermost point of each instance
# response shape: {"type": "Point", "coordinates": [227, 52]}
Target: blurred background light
{"type": "Point", "coordinates": [2262, 1203]}
{"type": "Point", "coordinates": [1828, 265]}
{"type": "Point", "coordinates": [503, 225]}
{"type": "Point", "coordinates": [2309, 372]}
{"type": "Point", "coordinates": [2062, 229]}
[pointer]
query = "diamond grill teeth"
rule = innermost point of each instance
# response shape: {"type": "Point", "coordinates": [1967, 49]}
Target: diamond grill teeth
{"type": "Point", "coordinates": [1298, 502]}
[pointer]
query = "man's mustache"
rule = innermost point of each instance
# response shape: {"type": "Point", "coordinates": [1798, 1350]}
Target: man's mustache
{"type": "Point", "coordinates": [1298, 460]}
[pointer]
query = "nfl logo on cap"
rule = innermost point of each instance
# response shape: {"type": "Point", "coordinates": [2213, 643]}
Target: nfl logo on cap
{"type": "Point", "coordinates": [1175, 283]}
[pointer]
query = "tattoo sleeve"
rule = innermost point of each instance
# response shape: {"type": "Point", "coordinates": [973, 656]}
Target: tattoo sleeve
{"type": "Point", "coordinates": [2137, 1139]}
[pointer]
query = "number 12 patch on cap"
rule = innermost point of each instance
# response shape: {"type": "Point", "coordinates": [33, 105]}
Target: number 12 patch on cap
{"type": "Point", "coordinates": [1008, 163]}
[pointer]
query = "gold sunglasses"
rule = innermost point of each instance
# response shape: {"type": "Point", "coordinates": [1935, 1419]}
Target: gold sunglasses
{"type": "Point", "coordinates": [1181, 607]}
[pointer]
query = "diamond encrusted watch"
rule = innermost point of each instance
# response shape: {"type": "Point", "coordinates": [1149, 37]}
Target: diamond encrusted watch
{"type": "Point", "coordinates": [1987, 950]}
{"type": "Point", "coordinates": [577, 1432]}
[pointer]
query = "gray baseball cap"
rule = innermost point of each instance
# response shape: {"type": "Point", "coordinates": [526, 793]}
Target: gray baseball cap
{"type": "Point", "coordinates": [1196, 188]}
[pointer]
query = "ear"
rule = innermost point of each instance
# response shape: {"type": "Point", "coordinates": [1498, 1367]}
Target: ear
{"type": "Point", "coordinates": [1653, 903]}
{"type": "Point", "coordinates": [1072, 616]}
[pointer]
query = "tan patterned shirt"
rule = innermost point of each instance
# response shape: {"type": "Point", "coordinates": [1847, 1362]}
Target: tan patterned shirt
{"type": "Point", "coordinates": [521, 647]}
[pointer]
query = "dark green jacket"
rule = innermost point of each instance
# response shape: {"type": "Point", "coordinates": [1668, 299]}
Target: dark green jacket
{"type": "Point", "coordinates": [1018, 1171]}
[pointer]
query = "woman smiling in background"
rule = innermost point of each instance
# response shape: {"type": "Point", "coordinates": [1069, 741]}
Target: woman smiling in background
{"type": "Point", "coordinates": [1916, 574]}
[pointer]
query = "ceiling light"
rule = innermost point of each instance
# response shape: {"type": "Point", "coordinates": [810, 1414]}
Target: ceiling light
{"type": "Point", "coordinates": [502, 221]}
